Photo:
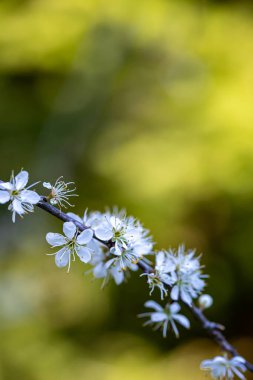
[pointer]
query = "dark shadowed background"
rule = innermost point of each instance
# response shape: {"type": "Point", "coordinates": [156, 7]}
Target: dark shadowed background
{"type": "Point", "coordinates": [146, 105]}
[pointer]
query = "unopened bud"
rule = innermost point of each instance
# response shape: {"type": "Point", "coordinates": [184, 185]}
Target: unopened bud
{"type": "Point", "coordinates": [205, 301]}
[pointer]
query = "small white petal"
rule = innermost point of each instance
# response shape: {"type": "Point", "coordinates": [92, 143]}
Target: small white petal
{"type": "Point", "coordinates": [174, 328]}
{"type": "Point", "coordinates": [158, 317]}
{"type": "Point", "coordinates": [13, 217]}
{"type": "Point", "coordinates": [186, 297]}
{"type": "Point", "coordinates": [99, 271]}
{"type": "Point", "coordinates": [17, 207]}
{"type": "Point", "coordinates": [62, 257]}
{"type": "Point", "coordinates": [75, 217]}
{"type": "Point", "coordinates": [21, 180]}
{"type": "Point", "coordinates": [153, 305]}
{"type": "Point", "coordinates": [115, 222]}
{"type": "Point", "coordinates": [206, 364]}
{"type": "Point", "coordinates": [237, 360]}
{"type": "Point", "coordinates": [4, 196]}
{"type": "Point", "coordinates": [175, 293]}
{"type": "Point", "coordinates": [69, 229]}
{"type": "Point", "coordinates": [55, 239]}
{"type": "Point", "coordinates": [7, 186]}
{"type": "Point", "coordinates": [117, 274]}
{"type": "Point", "coordinates": [174, 308]}
{"type": "Point", "coordinates": [103, 233]}
{"type": "Point", "coordinates": [109, 263]}
{"type": "Point", "coordinates": [30, 196]}
{"type": "Point", "coordinates": [133, 267]}
{"type": "Point", "coordinates": [85, 237]}
{"type": "Point", "coordinates": [47, 185]}
{"type": "Point", "coordinates": [182, 320]}
{"type": "Point", "coordinates": [84, 254]}
{"type": "Point", "coordinates": [159, 259]}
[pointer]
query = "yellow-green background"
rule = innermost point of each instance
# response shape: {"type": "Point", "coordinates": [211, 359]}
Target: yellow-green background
{"type": "Point", "coordinates": [147, 105]}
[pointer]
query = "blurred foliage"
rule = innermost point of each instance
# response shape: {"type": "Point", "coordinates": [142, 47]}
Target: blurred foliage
{"type": "Point", "coordinates": [147, 105]}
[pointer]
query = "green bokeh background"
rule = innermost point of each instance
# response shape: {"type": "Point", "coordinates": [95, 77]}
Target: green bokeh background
{"type": "Point", "coordinates": [146, 105]}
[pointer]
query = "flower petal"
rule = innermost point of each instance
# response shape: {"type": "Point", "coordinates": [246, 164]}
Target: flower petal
{"type": "Point", "coordinates": [186, 297]}
{"type": "Point", "coordinates": [84, 254]}
{"type": "Point", "coordinates": [6, 186]}
{"type": "Point", "coordinates": [182, 320]}
{"type": "Point", "coordinates": [159, 259]}
{"type": "Point", "coordinates": [158, 317]}
{"type": "Point", "coordinates": [47, 185]}
{"type": "Point", "coordinates": [174, 308]}
{"type": "Point", "coordinates": [175, 293]}
{"type": "Point", "coordinates": [62, 257]}
{"type": "Point", "coordinates": [75, 217]}
{"type": "Point", "coordinates": [17, 207]}
{"type": "Point", "coordinates": [55, 239]}
{"type": "Point", "coordinates": [103, 233]}
{"type": "Point", "coordinates": [69, 229]}
{"type": "Point", "coordinates": [30, 196]}
{"type": "Point", "coordinates": [21, 180]}
{"type": "Point", "coordinates": [99, 271]}
{"type": "Point", "coordinates": [117, 274]}
{"type": "Point", "coordinates": [4, 196]}
{"type": "Point", "coordinates": [153, 305]}
{"type": "Point", "coordinates": [85, 237]}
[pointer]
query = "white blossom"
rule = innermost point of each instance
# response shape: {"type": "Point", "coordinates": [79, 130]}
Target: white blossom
{"type": "Point", "coordinates": [205, 301]}
{"type": "Point", "coordinates": [163, 275]}
{"type": "Point", "coordinates": [107, 269]}
{"type": "Point", "coordinates": [22, 200]}
{"type": "Point", "coordinates": [130, 240]}
{"type": "Point", "coordinates": [110, 262]}
{"type": "Point", "coordinates": [222, 368]}
{"type": "Point", "coordinates": [89, 219]}
{"type": "Point", "coordinates": [181, 271]}
{"type": "Point", "coordinates": [165, 317]}
{"type": "Point", "coordinates": [72, 243]}
{"type": "Point", "coordinates": [60, 192]}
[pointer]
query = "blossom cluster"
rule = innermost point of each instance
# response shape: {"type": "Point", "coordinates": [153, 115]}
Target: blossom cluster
{"type": "Point", "coordinates": [114, 244]}
{"type": "Point", "coordinates": [129, 243]}
{"type": "Point", "coordinates": [221, 367]}
{"type": "Point", "coordinates": [181, 271]}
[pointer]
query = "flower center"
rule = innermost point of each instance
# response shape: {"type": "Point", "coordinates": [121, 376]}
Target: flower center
{"type": "Point", "coordinates": [14, 193]}
{"type": "Point", "coordinates": [117, 234]}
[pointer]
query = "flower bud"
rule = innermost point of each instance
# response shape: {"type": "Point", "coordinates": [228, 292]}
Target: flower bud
{"type": "Point", "coordinates": [205, 301]}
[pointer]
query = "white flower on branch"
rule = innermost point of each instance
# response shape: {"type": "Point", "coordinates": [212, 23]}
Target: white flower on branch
{"type": "Point", "coordinates": [164, 274]}
{"type": "Point", "coordinates": [60, 192]}
{"type": "Point", "coordinates": [181, 271]}
{"type": "Point", "coordinates": [101, 257]}
{"type": "Point", "coordinates": [104, 268]}
{"type": "Point", "coordinates": [89, 219]}
{"type": "Point", "coordinates": [22, 200]}
{"type": "Point", "coordinates": [165, 317]}
{"type": "Point", "coordinates": [132, 243]}
{"type": "Point", "coordinates": [130, 240]}
{"type": "Point", "coordinates": [72, 243]}
{"type": "Point", "coordinates": [223, 368]}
